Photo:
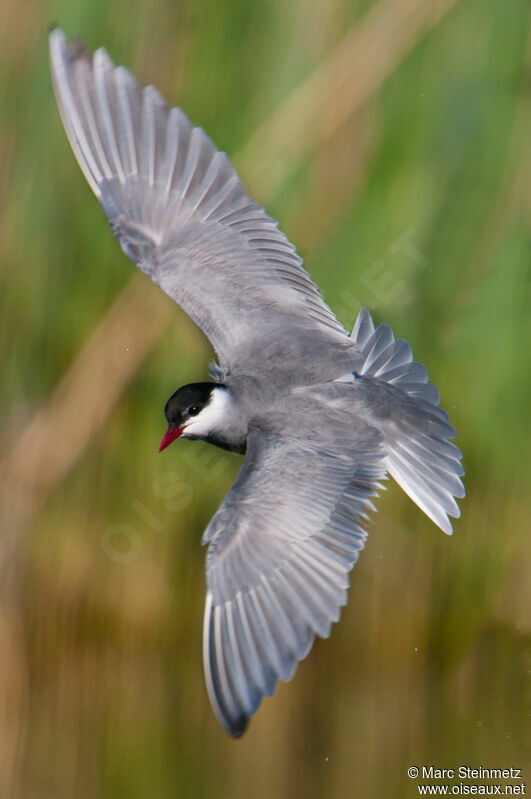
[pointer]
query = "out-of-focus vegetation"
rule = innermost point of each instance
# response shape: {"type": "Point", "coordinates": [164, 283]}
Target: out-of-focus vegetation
{"type": "Point", "coordinates": [412, 198]}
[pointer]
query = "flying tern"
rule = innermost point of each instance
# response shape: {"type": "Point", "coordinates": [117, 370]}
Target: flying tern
{"type": "Point", "coordinates": [322, 416]}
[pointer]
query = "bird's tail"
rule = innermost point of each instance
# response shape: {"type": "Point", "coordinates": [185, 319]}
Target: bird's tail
{"type": "Point", "coordinates": [418, 454]}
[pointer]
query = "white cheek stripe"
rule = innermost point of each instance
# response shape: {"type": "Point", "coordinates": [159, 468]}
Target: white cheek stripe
{"type": "Point", "coordinates": [214, 416]}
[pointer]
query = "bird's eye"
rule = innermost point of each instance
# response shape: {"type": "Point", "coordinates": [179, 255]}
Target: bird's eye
{"type": "Point", "coordinates": [193, 410]}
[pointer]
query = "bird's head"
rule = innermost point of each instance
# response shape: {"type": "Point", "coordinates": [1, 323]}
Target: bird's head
{"type": "Point", "coordinates": [194, 411]}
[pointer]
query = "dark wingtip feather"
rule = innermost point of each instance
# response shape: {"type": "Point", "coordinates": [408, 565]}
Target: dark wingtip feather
{"type": "Point", "coordinates": [238, 727]}
{"type": "Point", "coordinates": [75, 51]}
{"type": "Point", "coordinates": [78, 51]}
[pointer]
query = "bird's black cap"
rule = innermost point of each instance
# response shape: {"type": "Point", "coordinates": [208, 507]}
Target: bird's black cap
{"type": "Point", "coordinates": [187, 398]}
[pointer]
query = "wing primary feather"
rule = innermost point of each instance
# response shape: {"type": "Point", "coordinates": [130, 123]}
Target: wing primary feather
{"type": "Point", "coordinates": [240, 677]}
{"type": "Point", "coordinates": [235, 724]}
{"type": "Point", "coordinates": [94, 152]}
{"type": "Point", "coordinates": [69, 110]}
{"type": "Point", "coordinates": [124, 85]}
{"type": "Point", "coordinates": [148, 147]}
{"type": "Point", "coordinates": [287, 629]}
{"type": "Point", "coordinates": [174, 131]}
{"type": "Point", "coordinates": [221, 669]}
{"type": "Point", "coordinates": [266, 635]}
{"type": "Point", "coordinates": [189, 164]}
{"type": "Point", "coordinates": [102, 70]}
{"type": "Point", "coordinates": [309, 594]}
{"type": "Point", "coordinates": [255, 667]}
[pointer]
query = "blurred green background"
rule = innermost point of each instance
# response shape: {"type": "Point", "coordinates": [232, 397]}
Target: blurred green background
{"type": "Point", "coordinates": [403, 176]}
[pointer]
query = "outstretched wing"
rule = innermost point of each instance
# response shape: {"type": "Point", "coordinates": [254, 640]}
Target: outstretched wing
{"type": "Point", "coordinates": [281, 548]}
{"type": "Point", "coordinates": [181, 213]}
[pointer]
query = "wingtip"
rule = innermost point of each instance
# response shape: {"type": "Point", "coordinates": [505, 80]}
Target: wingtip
{"type": "Point", "coordinates": [447, 527]}
{"type": "Point", "coordinates": [59, 46]}
{"type": "Point", "coordinates": [233, 724]}
{"type": "Point", "coordinates": [237, 729]}
{"type": "Point", "coordinates": [447, 530]}
{"type": "Point", "coordinates": [56, 39]}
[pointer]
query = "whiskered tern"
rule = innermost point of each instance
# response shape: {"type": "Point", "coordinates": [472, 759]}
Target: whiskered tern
{"type": "Point", "coordinates": [321, 416]}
